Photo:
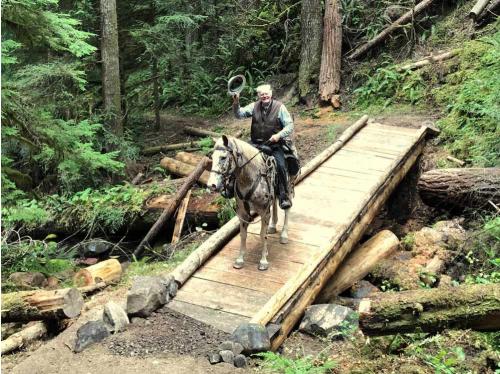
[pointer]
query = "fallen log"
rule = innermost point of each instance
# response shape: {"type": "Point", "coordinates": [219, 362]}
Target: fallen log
{"type": "Point", "coordinates": [21, 338]}
{"type": "Point", "coordinates": [193, 177]}
{"type": "Point", "coordinates": [405, 18]}
{"type": "Point", "coordinates": [170, 147]}
{"type": "Point", "coordinates": [92, 288]}
{"type": "Point", "coordinates": [137, 178]}
{"type": "Point", "coordinates": [183, 169]}
{"type": "Point", "coordinates": [359, 263]}
{"type": "Point", "coordinates": [489, 9]}
{"type": "Point", "coordinates": [455, 160]}
{"type": "Point", "coordinates": [464, 307]}
{"type": "Point", "coordinates": [460, 188]}
{"type": "Point", "coordinates": [477, 9]}
{"type": "Point", "coordinates": [181, 215]}
{"type": "Point", "coordinates": [108, 271]}
{"type": "Point", "coordinates": [188, 158]}
{"type": "Point", "coordinates": [203, 133]}
{"type": "Point", "coordinates": [428, 60]}
{"type": "Point", "coordinates": [41, 304]}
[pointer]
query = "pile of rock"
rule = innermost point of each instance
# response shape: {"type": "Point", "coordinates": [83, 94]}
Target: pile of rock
{"type": "Point", "coordinates": [146, 295]}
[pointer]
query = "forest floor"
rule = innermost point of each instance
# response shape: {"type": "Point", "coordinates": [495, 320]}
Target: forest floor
{"type": "Point", "coordinates": [167, 341]}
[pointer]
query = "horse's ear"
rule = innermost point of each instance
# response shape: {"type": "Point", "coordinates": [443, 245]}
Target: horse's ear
{"type": "Point", "coordinates": [225, 140]}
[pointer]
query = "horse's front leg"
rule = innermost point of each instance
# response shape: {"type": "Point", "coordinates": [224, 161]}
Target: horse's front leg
{"type": "Point", "coordinates": [284, 230]}
{"type": "Point", "coordinates": [240, 261]}
{"type": "Point", "coordinates": [263, 264]}
{"type": "Point", "coordinates": [274, 220]}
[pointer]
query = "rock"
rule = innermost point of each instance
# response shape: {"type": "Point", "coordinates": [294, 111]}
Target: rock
{"type": "Point", "coordinates": [90, 333]}
{"type": "Point", "coordinates": [329, 320]}
{"type": "Point", "coordinates": [87, 261]}
{"type": "Point", "coordinates": [146, 295]}
{"type": "Point", "coordinates": [227, 356]}
{"type": "Point", "coordinates": [28, 280]}
{"type": "Point", "coordinates": [237, 348]}
{"type": "Point", "coordinates": [214, 358]}
{"type": "Point", "coordinates": [95, 247]}
{"type": "Point", "coordinates": [226, 345]}
{"type": "Point", "coordinates": [172, 289]}
{"type": "Point", "coordinates": [114, 317]}
{"type": "Point", "coordinates": [52, 283]}
{"type": "Point", "coordinates": [253, 337]}
{"type": "Point", "coordinates": [393, 12]}
{"type": "Point", "coordinates": [428, 237]}
{"type": "Point", "coordinates": [454, 233]}
{"type": "Point", "coordinates": [240, 361]}
{"type": "Point", "coordinates": [137, 321]}
{"type": "Point", "coordinates": [363, 289]}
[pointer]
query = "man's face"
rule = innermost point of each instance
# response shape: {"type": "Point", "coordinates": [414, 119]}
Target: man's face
{"type": "Point", "coordinates": [265, 97]}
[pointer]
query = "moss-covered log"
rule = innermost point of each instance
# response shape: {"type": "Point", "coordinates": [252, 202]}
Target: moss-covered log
{"type": "Point", "coordinates": [41, 304]}
{"type": "Point", "coordinates": [466, 306]}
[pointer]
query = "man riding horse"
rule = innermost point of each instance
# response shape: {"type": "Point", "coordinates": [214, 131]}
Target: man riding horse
{"type": "Point", "coordinates": [272, 125]}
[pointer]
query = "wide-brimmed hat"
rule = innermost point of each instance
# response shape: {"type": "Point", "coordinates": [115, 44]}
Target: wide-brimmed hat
{"type": "Point", "coordinates": [236, 84]}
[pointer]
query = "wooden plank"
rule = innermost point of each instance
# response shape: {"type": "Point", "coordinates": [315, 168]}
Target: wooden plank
{"type": "Point", "coordinates": [371, 152]}
{"type": "Point", "coordinates": [219, 319]}
{"type": "Point", "coordinates": [219, 296]}
{"type": "Point", "coordinates": [279, 271]}
{"type": "Point", "coordinates": [240, 279]}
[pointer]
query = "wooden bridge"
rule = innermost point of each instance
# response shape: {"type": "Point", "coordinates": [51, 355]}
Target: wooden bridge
{"type": "Point", "coordinates": [333, 206]}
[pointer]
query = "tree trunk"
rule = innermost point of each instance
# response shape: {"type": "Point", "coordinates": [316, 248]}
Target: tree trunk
{"type": "Point", "coordinates": [466, 306]}
{"type": "Point", "coordinates": [41, 304]}
{"type": "Point", "coordinates": [108, 271]}
{"type": "Point", "coordinates": [311, 31]}
{"type": "Point", "coordinates": [24, 336]}
{"type": "Point", "coordinates": [405, 18]}
{"type": "Point", "coordinates": [460, 188]}
{"type": "Point", "coordinates": [189, 158]}
{"type": "Point", "coordinates": [428, 60]}
{"type": "Point", "coordinates": [193, 177]}
{"type": "Point", "coordinates": [359, 264]}
{"type": "Point", "coordinates": [204, 133]}
{"type": "Point", "coordinates": [156, 94]}
{"type": "Point", "coordinates": [111, 66]}
{"type": "Point", "coordinates": [180, 168]}
{"type": "Point", "coordinates": [478, 8]}
{"type": "Point", "coordinates": [169, 147]}
{"type": "Point", "coordinates": [329, 78]}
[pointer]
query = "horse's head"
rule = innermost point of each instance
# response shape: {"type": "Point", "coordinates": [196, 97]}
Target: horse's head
{"type": "Point", "coordinates": [223, 163]}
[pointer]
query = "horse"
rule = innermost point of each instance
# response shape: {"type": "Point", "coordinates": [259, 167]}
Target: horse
{"type": "Point", "coordinates": [253, 174]}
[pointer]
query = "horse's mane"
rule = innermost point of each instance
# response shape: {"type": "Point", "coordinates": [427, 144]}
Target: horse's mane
{"type": "Point", "coordinates": [245, 148]}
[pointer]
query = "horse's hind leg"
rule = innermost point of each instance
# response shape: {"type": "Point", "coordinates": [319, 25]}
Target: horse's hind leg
{"type": "Point", "coordinates": [284, 231]}
{"type": "Point", "coordinates": [263, 264]}
{"type": "Point", "coordinates": [274, 220]}
{"type": "Point", "coordinates": [240, 261]}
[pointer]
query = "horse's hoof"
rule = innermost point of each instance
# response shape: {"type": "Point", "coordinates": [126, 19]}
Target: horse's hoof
{"type": "Point", "coordinates": [263, 266]}
{"type": "Point", "coordinates": [238, 264]}
{"type": "Point", "coordinates": [283, 240]}
{"type": "Point", "coordinates": [271, 230]}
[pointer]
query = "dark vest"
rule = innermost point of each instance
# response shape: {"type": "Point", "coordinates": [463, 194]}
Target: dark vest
{"type": "Point", "coordinates": [265, 125]}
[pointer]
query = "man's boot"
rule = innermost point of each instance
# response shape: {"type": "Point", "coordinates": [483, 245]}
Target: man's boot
{"type": "Point", "coordinates": [285, 202]}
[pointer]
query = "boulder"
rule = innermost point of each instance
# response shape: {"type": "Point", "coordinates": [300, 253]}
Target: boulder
{"type": "Point", "coordinates": [214, 358]}
{"type": "Point", "coordinates": [28, 280]}
{"type": "Point", "coordinates": [146, 295]}
{"type": "Point", "coordinates": [94, 247]}
{"type": "Point", "coordinates": [240, 361]}
{"type": "Point", "coordinates": [363, 289]}
{"type": "Point", "coordinates": [90, 333]}
{"type": "Point", "coordinates": [114, 317]}
{"type": "Point", "coordinates": [227, 356]}
{"type": "Point", "coordinates": [334, 321]}
{"type": "Point", "coordinates": [253, 337]}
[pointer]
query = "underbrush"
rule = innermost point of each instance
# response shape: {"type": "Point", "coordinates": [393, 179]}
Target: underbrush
{"type": "Point", "coordinates": [465, 89]}
{"type": "Point", "coordinates": [90, 210]}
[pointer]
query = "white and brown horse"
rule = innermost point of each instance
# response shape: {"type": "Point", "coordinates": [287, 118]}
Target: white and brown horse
{"type": "Point", "coordinates": [253, 176]}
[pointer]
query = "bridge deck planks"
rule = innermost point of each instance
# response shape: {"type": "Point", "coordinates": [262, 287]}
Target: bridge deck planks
{"type": "Point", "coordinates": [324, 206]}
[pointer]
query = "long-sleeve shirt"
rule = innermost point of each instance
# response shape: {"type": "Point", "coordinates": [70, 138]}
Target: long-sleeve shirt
{"type": "Point", "coordinates": [283, 115]}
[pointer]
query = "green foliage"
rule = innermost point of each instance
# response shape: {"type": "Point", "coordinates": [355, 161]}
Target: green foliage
{"type": "Point", "coordinates": [275, 363]}
{"type": "Point", "coordinates": [408, 241]}
{"type": "Point", "coordinates": [25, 254]}
{"type": "Point", "coordinates": [387, 86]}
{"type": "Point", "coordinates": [483, 258]}
{"type": "Point", "coordinates": [227, 209]}
{"type": "Point", "coordinates": [471, 128]}
{"type": "Point", "coordinates": [206, 145]}
{"type": "Point", "coordinates": [331, 133]}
